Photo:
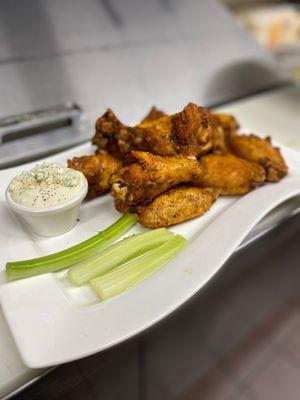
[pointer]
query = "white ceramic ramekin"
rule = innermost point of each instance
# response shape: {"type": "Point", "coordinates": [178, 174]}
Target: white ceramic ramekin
{"type": "Point", "coordinates": [51, 221]}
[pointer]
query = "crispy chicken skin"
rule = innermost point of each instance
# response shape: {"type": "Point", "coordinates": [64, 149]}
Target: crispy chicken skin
{"type": "Point", "coordinates": [229, 174]}
{"type": "Point", "coordinates": [112, 136]}
{"type": "Point", "coordinates": [150, 175]}
{"type": "Point", "coordinates": [188, 132]}
{"type": "Point", "coordinates": [219, 142]}
{"type": "Point", "coordinates": [192, 130]}
{"type": "Point", "coordinates": [175, 206]}
{"type": "Point", "coordinates": [227, 122]}
{"type": "Point", "coordinates": [97, 169]}
{"type": "Point", "coordinates": [153, 114]}
{"type": "Point", "coordinates": [253, 148]}
{"type": "Point", "coordinates": [226, 127]}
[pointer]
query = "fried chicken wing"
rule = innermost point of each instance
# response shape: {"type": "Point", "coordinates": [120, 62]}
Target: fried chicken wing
{"type": "Point", "coordinates": [153, 114]}
{"type": "Point", "coordinates": [112, 136]}
{"type": "Point", "coordinates": [149, 176]}
{"type": "Point", "coordinates": [192, 130]}
{"type": "Point", "coordinates": [229, 174]}
{"type": "Point", "coordinates": [219, 142]}
{"type": "Point", "coordinates": [176, 205]}
{"type": "Point", "coordinates": [228, 123]}
{"type": "Point", "coordinates": [253, 148]}
{"type": "Point", "coordinates": [225, 128]}
{"type": "Point", "coordinates": [188, 132]}
{"type": "Point", "coordinates": [97, 169]}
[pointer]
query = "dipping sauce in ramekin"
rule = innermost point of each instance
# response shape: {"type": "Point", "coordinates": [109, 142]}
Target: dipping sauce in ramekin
{"type": "Point", "coordinates": [48, 197]}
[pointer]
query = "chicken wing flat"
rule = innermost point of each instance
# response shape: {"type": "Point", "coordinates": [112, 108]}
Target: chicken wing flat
{"type": "Point", "coordinates": [154, 114]}
{"type": "Point", "coordinates": [149, 176]}
{"type": "Point", "coordinates": [229, 174]}
{"type": "Point", "coordinates": [175, 206]}
{"type": "Point", "coordinates": [188, 133]}
{"type": "Point", "coordinates": [97, 169]}
{"type": "Point", "coordinates": [253, 148]}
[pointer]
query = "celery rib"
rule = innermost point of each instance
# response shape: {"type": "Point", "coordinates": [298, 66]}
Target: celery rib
{"type": "Point", "coordinates": [72, 255]}
{"type": "Point", "coordinates": [117, 254]}
{"type": "Point", "coordinates": [133, 272]}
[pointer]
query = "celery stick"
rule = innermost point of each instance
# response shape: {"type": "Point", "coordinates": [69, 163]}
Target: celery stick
{"type": "Point", "coordinates": [72, 255]}
{"type": "Point", "coordinates": [133, 272]}
{"type": "Point", "coordinates": [117, 254]}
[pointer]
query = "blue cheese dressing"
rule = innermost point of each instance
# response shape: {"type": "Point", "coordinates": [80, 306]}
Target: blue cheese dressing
{"type": "Point", "coordinates": [46, 185]}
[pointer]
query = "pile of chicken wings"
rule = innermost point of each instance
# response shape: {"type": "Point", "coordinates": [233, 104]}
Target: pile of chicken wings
{"type": "Point", "coordinates": [171, 168]}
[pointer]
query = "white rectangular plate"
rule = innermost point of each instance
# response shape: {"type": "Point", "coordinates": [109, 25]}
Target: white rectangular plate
{"type": "Point", "coordinates": [53, 322]}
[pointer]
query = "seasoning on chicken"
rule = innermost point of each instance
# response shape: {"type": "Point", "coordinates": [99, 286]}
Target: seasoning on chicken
{"type": "Point", "coordinates": [150, 175]}
{"type": "Point", "coordinates": [188, 133]}
{"type": "Point", "coordinates": [253, 148]}
{"type": "Point", "coordinates": [175, 206]}
{"type": "Point", "coordinates": [228, 123]}
{"type": "Point", "coordinates": [229, 174]}
{"type": "Point", "coordinates": [97, 169]}
{"type": "Point", "coordinates": [153, 114]}
{"type": "Point", "coordinates": [219, 142]}
{"type": "Point", "coordinates": [225, 128]}
{"type": "Point", "coordinates": [112, 136]}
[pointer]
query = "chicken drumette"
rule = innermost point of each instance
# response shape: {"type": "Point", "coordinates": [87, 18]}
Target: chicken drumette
{"type": "Point", "coordinates": [150, 175]}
